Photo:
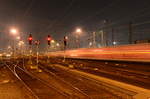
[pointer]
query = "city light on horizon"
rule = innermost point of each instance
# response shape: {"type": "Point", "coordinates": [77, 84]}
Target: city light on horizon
{"type": "Point", "coordinates": [18, 38]}
{"type": "Point", "coordinates": [52, 41]}
{"type": "Point", "coordinates": [57, 44]}
{"type": "Point", "coordinates": [20, 43]}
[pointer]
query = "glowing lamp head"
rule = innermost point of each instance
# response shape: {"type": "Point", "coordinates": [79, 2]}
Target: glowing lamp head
{"type": "Point", "coordinates": [78, 30]}
{"type": "Point", "coordinates": [13, 31]}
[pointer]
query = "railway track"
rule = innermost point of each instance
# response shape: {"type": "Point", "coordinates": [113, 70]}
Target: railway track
{"type": "Point", "coordinates": [134, 73]}
{"type": "Point", "coordinates": [76, 92]}
{"type": "Point", "coordinates": [128, 74]}
{"type": "Point", "coordinates": [36, 86]}
{"type": "Point", "coordinates": [10, 80]}
{"type": "Point", "coordinates": [81, 86]}
{"type": "Point", "coordinates": [87, 86]}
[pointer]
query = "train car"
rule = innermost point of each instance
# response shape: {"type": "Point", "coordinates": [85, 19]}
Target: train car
{"type": "Point", "coordinates": [133, 52]}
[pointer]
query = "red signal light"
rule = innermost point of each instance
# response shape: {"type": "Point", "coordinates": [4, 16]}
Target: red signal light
{"type": "Point", "coordinates": [30, 39]}
{"type": "Point", "coordinates": [65, 40]}
{"type": "Point", "coordinates": [49, 38]}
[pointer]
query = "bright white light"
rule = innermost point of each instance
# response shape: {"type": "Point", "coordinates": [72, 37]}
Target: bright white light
{"type": "Point", "coordinates": [13, 31]}
{"type": "Point", "coordinates": [52, 41]}
{"type": "Point", "coordinates": [90, 44]}
{"type": "Point", "coordinates": [114, 43]}
{"type": "Point", "coordinates": [66, 37]}
{"type": "Point", "coordinates": [78, 31]}
{"type": "Point", "coordinates": [57, 44]}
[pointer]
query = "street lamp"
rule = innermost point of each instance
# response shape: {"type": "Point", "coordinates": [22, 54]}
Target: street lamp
{"type": "Point", "coordinates": [78, 32]}
{"type": "Point", "coordinates": [13, 31]}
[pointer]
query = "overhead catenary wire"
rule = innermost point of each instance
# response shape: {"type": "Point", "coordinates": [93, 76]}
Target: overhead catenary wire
{"type": "Point", "coordinates": [71, 4]}
{"type": "Point", "coordinates": [122, 19]}
{"type": "Point", "coordinates": [50, 26]}
{"type": "Point", "coordinates": [28, 9]}
{"type": "Point", "coordinates": [99, 11]}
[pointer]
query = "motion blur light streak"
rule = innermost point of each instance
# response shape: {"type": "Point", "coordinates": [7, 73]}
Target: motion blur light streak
{"type": "Point", "coordinates": [120, 52]}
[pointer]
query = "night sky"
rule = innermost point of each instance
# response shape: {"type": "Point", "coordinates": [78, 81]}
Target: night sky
{"type": "Point", "coordinates": [61, 17]}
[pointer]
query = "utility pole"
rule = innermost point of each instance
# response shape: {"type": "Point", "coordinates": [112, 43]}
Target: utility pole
{"type": "Point", "coordinates": [103, 43]}
{"type": "Point", "coordinates": [30, 40]}
{"type": "Point", "coordinates": [130, 33]}
{"type": "Point", "coordinates": [37, 51]}
{"type": "Point", "coordinates": [112, 36]}
{"type": "Point", "coordinates": [94, 41]}
{"type": "Point", "coordinates": [49, 38]}
{"type": "Point", "coordinates": [105, 30]}
{"type": "Point", "coordinates": [14, 49]}
{"type": "Point", "coordinates": [65, 47]}
{"type": "Point", "coordinates": [77, 41]}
